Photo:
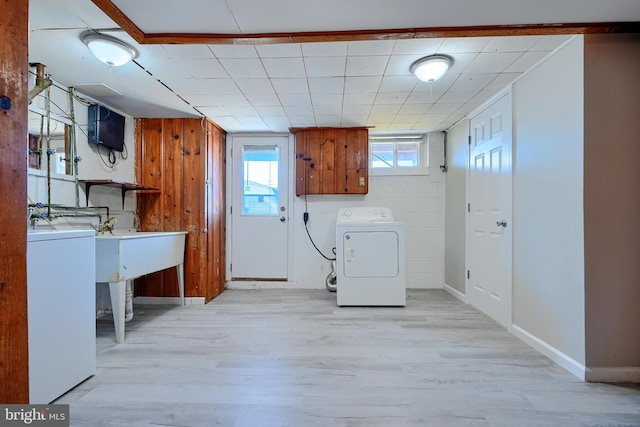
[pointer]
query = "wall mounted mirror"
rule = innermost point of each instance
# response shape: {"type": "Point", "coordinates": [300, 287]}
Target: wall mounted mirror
{"type": "Point", "coordinates": [56, 130]}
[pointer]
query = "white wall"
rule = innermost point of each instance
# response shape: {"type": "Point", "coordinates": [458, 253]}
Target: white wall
{"type": "Point", "coordinates": [63, 189]}
{"type": "Point", "coordinates": [548, 240]}
{"type": "Point", "coordinates": [418, 201]}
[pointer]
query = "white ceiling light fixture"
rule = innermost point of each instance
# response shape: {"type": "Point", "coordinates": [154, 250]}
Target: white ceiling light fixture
{"type": "Point", "coordinates": [108, 49]}
{"type": "Point", "coordinates": [432, 67]}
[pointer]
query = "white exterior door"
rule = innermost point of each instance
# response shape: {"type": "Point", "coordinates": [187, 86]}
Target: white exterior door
{"type": "Point", "coordinates": [489, 284]}
{"type": "Point", "coordinates": [259, 211]}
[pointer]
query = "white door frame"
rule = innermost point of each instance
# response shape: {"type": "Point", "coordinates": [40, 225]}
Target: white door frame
{"type": "Point", "coordinates": [230, 175]}
{"type": "Point", "coordinates": [508, 92]}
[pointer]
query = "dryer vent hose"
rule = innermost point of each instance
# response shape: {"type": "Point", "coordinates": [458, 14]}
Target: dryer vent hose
{"type": "Point", "coordinates": [332, 280]}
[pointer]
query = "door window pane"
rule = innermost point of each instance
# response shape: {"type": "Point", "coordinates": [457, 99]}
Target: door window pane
{"type": "Point", "coordinates": [260, 180]}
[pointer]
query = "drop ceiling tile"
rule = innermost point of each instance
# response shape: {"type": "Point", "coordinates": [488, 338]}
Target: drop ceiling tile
{"type": "Point", "coordinates": [456, 97]}
{"type": "Point", "coordinates": [189, 51]}
{"type": "Point", "coordinates": [443, 108]}
{"type": "Point", "coordinates": [284, 67]}
{"type": "Point", "coordinates": [511, 44]}
{"type": "Point", "coordinates": [291, 50]}
{"type": "Point", "coordinates": [501, 81]}
{"type": "Point", "coordinates": [244, 67]}
{"type": "Point", "coordinates": [263, 99]}
{"type": "Point", "coordinates": [408, 118]}
{"type": "Point", "coordinates": [206, 68]}
{"type": "Point", "coordinates": [398, 83]}
{"type": "Point", "coordinates": [233, 51]}
{"type": "Point", "coordinates": [326, 99]}
{"type": "Point", "coordinates": [277, 124]}
{"type": "Point", "coordinates": [326, 66]}
{"type": "Point", "coordinates": [302, 121]}
{"type": "Point", "coordinates": [370, 47]}
{"type": "Point", "coordinates": [391, 97]}
{"type": "Point", "coordinates": [463, 45]}
{"type": "Point", "coordinates": [419, 97]}
{"type": "Point", "coordinates": [255, 86]}
{"type": "Point", "coordinates": [525, 62]}
{"type": "Point", "coordinates": [386, 109]}
{"type": "Point", "coordinates": [298, 110]}
{"type": "Point", "coordinates": [293, 99]}
{"type": "Point", "coordinates": [467, 82]}
{"type": "Point", "coordinates": [351, 120]}
{"type": "Point", "coordinates": [399, 65]}
{"type": "Point", "coordinates": [325, 49]}
{"type": "Point", "coordinates": [366, 65]}
{"type": "Point", "coordinates": [420, 47]}
{"type": "Point", "coordinates": [327, 110]}
{"type": "Point", "coordinates": [359, 98]}
{"type": "Point", "coordinates": [362, 84]}
{"type": "Point", "coordinates": [164, 68]}
{"type": "Point", "coordinates": [325, 85]}
{"type": "Point", "coordinates": [492, 62]}
{"type": "Point", "coordinates": [410, 109]}
{"type": "Point", "coordinates": [201, 100]}
{"type": "Point", "coordinates": [290, 86]}
{"type": "Point", "coordinates": [356, 109]}
{"type": "Point", "coordinates": [549, 43]}
{"type": "Point", "coordinates": [328, 121]}
{"type": "Point", "coordinates": [232, 100]}
{"type": "Point", "coordinates": [270, 110]}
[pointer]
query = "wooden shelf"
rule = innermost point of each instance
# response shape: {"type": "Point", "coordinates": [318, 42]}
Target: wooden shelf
{"type": "Point", "coordinates": [123, 186]}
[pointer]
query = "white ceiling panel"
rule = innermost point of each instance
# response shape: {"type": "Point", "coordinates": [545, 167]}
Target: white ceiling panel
{"type": "Point", "coordinates": [270, 87]}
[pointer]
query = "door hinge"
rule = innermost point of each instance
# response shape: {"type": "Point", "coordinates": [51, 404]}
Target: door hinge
{"type": "Point", "coordinates": [469, 139]}
{"type": "Point", "coordinates": [231, 210]}
{"type": "Point", "coordinates": [230, 267]}
{"type": "Point", "coordinates": [468, 207]}
{"type": "Point", "coordinates": [468, 274]}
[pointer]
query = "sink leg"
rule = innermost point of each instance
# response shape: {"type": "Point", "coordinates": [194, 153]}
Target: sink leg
{"type": "Point", "coordinates": [117, 292]}
{"type": "Point", "coordinates": [180, 271]}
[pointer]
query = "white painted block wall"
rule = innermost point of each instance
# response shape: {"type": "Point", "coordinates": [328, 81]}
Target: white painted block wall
{"type": "Point", "coordinates": [418, 201]}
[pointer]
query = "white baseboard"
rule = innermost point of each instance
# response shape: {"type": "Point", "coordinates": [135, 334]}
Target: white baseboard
{"type": "Point", "coordinates": [552, 353]}
{"type": "Point", "coordinates": [456, 293]}
{"type": "Point", "coordinates": [605, 374]}
{"type": "Point", "coordinates": [168, 300]}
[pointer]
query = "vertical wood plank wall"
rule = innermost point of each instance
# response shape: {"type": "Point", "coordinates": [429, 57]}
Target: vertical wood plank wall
{"type": "Point", "coordinates": [338, 158]}
{"type": "Point", "coordinates": [14, 350]}
{"type": "Point", "coordinates": [185, 159]}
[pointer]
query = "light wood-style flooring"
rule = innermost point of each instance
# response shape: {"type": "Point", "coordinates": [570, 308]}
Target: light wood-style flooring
{"type": "Point", "coordinates": [293, 358]}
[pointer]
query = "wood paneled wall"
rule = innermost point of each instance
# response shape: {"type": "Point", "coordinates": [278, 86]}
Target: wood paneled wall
{"type": "Point", "coordinates": [14, 350]}
{"type": "Point", "coordinates": [185, 159]}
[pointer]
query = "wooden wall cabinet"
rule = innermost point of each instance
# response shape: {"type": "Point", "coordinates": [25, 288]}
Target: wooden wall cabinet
{"type": "Point", "coordinates": [332, 160]}
{"type": "Point", "coordinates": [185, 160]}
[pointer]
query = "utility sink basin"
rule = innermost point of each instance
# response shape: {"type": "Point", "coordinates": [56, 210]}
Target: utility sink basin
{"type": "Point", "coordinates": [126, 256]}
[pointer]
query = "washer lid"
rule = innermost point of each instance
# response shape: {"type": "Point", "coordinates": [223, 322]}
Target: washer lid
{"type": "Point", "coordinates": [364, 214]}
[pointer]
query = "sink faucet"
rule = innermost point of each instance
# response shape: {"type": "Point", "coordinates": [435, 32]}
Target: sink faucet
{"type": "Point", "coordinates": [107, 225]}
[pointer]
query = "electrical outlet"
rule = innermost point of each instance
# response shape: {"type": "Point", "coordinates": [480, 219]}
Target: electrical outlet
{"type": "Point", "coordinates": [361, 181]}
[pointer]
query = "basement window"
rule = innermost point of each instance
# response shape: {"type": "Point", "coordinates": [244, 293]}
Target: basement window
{"type": "Point", "coordinates": [398, 155]}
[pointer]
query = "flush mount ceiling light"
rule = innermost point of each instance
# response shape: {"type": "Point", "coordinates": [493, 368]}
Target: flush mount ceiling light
{"type": "Point", "coordinates": [432, 67]}
{"type": "Point", "coordinates": [108, 49]}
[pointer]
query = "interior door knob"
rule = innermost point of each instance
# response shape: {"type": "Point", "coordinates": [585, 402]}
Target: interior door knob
{"type": "Point", "coordinates": [501, 223]}
{"type": "Point", "coordinates": [282, 219]}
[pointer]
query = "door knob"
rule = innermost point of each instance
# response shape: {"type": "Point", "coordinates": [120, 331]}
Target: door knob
{"type": "Point", "coordinates": [501, 223]}
{"type": "Point", "coordinates": [282, 219]}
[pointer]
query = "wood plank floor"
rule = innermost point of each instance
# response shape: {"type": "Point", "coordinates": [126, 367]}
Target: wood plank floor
{"type": "Point", "coordinates": [293, 358]}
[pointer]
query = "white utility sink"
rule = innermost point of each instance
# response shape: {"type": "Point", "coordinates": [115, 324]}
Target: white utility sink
{"type": "Point", "coordinates": [126, 256]}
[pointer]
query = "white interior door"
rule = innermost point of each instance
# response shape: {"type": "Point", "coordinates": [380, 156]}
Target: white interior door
{"type": "Point", "coordinates": [259, 211]}
{"type": "Point", "coordinates": [490, 245]}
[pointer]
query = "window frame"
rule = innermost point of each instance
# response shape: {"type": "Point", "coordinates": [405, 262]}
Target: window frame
{"type": "Point", "coordinates": [421, 169]}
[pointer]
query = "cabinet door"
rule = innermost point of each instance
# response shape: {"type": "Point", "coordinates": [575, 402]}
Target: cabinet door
{"type": "Point", "coordinates": [332, 161]}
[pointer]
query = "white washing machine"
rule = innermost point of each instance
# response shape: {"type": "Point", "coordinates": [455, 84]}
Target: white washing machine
{"type": "Point", "coordinates": [370, 258]}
